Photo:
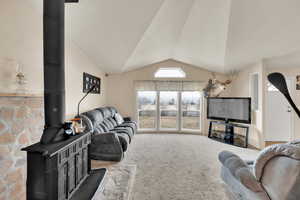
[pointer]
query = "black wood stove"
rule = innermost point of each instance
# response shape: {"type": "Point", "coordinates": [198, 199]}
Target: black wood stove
{"type": "Point", "coordinates": [58, 168]}
{"type": "Point", "coordinates": [62, 171]}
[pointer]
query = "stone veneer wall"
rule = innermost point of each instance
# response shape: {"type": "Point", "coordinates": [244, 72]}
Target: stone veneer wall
{"type": "Point", "coordinates": [21, 124]}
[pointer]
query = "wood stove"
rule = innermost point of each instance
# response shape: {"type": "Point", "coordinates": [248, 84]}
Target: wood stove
{"type": "Point", "coordinates": [62, 170]}
{"type": "Point", "coordinates": [58, 168]}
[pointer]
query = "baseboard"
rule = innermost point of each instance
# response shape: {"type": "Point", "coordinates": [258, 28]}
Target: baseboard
{"type": "Point", "coordinates": [254, 144]}
{"type": "Point", "coordinates": [172, 132]}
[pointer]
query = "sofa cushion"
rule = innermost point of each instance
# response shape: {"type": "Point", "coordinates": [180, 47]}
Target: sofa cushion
{"type": "Point", "coordinates": [108, 124]}
{"type": "Point", "coordinates": [95, 116]}
{"type": "Point", "coordinates": [125, 130]}
{"type": "Point", "coordinates": [103, 127]}
{"type": "Point", "coordinates": [112, 110]}
{"type": "Point", "coordinates": [113, 121]}
{"type": "Point", "coordinates": [98, 130]}
{"type": "Point", "coordinates": [105, 112]}
{"type": "Point", "coordinates": [126, 120]}
{"type": "Point", "coordinates": [119, 119]}
{"type": "Point", "coordinates": [130, 124]}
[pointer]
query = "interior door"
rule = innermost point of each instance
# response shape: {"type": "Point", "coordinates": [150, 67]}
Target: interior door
{"type": "Point", "coordinates": [278, 115]}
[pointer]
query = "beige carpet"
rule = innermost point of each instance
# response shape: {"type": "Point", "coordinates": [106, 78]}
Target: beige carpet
{"type": "Point", "coordinates": [119, 182]}
{"type": "Point", "coordinates": [177, 167]}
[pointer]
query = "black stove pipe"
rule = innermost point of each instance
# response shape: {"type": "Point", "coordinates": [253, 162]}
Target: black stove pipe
{"type": "Point", "coordinates": [54, 70]}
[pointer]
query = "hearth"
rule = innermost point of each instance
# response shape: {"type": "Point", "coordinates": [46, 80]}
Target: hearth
{"type": "Point", "coordinates": [58, 167]}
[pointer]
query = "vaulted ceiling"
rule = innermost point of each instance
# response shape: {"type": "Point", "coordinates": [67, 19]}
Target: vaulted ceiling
{"type": "Point", "coordinates": [219, 35]}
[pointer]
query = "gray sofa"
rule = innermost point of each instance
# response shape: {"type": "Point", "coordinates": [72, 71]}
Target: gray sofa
{"type": "Point", "coordinates": [110, 136]}
{"type": "Point", "coordinates": [274, 175]}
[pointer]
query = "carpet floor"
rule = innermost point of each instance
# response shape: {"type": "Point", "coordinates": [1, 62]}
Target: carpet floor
{"type": "Point", "coordinates": [119, 181]}
{"type": "Point", "coordinates": [177, 167]}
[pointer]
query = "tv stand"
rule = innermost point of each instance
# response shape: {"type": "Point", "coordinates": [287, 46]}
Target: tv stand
{"type": "Point", "coordinates": [227, 134]}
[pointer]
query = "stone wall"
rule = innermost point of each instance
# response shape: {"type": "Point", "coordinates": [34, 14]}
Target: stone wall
{"type": "Point", "coordinates": [21, 124]}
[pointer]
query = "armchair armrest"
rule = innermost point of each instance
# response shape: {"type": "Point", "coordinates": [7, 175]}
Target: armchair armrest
{"type": "Point", "coordinates": [129, 119]}
{"type": "Point", "coordinates": [87, 123]}
{"type": "Point", "coordinates": [287, 150]}
{"type": "Point", "coordinates": [105, 138]}
{"type": "Point", "coordinates": [240, 170]}
{"type": "Point", "coordinates": [246, 177]}
{"type": "Point", "coordinates": [106, 146]}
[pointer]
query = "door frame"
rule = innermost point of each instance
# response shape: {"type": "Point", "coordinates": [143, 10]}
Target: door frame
{"type": "Point", "coordinates": [251, 89]}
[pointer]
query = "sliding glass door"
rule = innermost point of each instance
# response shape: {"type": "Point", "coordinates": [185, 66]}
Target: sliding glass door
{"type": "Point", "coordinates": [147, 110]}
{"type": "Point", "coordinates": [169, 110]}
{"type": "Point", "coordinates": [190, 110]}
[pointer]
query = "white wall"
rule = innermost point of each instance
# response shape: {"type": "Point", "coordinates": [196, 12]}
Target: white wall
{"type": "Point", "coordinates": [21, 40]}
{"type": "Point", "coordinates": [77, 63]}
{"type": "Point", "coordinates": [241, 88]}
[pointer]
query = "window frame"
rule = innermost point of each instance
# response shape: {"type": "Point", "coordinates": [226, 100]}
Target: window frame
{"type": "Point", "coordinates": [179, 127]}
{"type": "Point", "coordinates": [178, 69]}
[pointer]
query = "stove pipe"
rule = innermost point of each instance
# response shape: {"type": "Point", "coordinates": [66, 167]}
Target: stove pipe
{"type": "Point", "coordinates": [54, 70]}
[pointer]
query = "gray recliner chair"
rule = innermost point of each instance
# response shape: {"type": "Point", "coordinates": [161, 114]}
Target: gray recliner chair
{"type": "Point", "coordinates": [274, 175]}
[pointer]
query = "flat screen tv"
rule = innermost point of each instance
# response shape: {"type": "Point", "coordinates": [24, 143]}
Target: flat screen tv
{"type": "Point", "coordinates": [229, 109]}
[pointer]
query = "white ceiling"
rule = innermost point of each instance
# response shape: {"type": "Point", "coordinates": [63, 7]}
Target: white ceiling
{"type": "Point", "coordinates": [262, 29]}
{"type": "Point", "coordinates": [285, 61]}
{"type": "Point", "coordinates": [219, 35]}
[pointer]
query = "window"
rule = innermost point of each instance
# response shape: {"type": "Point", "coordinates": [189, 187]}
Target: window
{"type": "Point", "coordinates": [191, 108]}
{"type": "Point", "coordinates": [170, 73]}
{"type": "Point", "coordinates": [169, 110]}
{"type": "Point", "coordinates": [164, 105]}
{"type": "Point", "coordinates": [146, 101]}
